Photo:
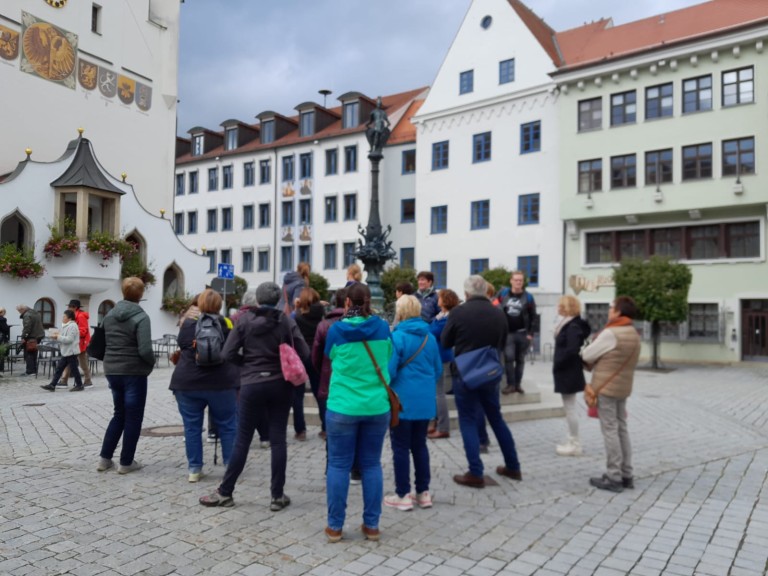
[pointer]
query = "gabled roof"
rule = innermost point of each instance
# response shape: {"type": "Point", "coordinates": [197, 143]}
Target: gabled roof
{"type": "Point", "coordinates": [540, 30]}
{"type": "Point", "coordinates": [405, 130]}
{"type": "Point", "coordinates": [390, 104]}
{"type": "Point", "coordinates": [85, 170]}
{"type": "Point", "coordinates": [601, 41]}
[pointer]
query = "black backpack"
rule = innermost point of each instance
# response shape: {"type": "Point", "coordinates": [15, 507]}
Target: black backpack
{"type": "Point", "coordinates": [209, 340]}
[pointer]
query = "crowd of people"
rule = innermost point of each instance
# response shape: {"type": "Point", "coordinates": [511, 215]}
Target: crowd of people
{"type": "Point", "coordinates": [368, 377]}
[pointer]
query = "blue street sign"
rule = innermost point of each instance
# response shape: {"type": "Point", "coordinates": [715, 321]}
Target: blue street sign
{"type": "Point", "coordinates": [227, 271]}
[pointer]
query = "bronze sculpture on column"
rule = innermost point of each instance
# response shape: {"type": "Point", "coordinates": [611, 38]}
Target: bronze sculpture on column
{"type": "Point", "coordinates": [374, 250]}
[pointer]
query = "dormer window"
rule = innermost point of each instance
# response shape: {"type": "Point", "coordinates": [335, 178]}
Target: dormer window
{"type": "Point", "coordinates": [230, 142]}
{"type": "Point", "coordinates": [197, 145]}
{"type": "Point", "coordinates": [267, 131]}
{"type": "Point", "coordinates": [351, 116]}
{"type": "Point", "coordinates": [307, 123]}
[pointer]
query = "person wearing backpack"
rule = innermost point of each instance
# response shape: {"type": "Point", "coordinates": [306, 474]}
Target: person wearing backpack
{"type": "Point", "coordinates": [265, 395]}
{"type": "Point", "coordinates": [202, 379]}
{"type": "Point", "coordinates": [520, 308]}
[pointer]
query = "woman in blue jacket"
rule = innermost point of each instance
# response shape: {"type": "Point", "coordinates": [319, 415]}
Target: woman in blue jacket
{"type": "Point", "coordinates": [414, 369]}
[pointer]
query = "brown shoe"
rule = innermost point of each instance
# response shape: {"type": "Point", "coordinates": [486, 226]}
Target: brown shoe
{"type": "Point", "coordinates": [514, 474]}
{"type": "Point", "coordinates": [470, 480]}
{"type": "Point", "coordinates": [509, 389]}
{"type": "Point", "coordinates": [370, 533]}
{"type": "Point", "coordinates": [301, 436]}
{"type": "Point", "coordinates": [435, 435]}
{"type": "Point", "coordinates": [332, 535]}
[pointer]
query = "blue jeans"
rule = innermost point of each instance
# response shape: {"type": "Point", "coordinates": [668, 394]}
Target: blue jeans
{"type": "Point", "coordinates": [410, 437]}
{"type": "Point", "coordinates": [129, 395]}
{"type": "Point", "coordinates": [350, 436]}
{"type": "Point", "coordinates": [222, 406]}
{"type": "Point", "coordinates": [264, 404]}
{"type": "Point", "coordinates": [470, 403]}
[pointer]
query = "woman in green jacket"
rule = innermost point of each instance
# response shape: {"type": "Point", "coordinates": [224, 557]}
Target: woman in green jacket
{"type": "Point", "coordinates": [359, 347]}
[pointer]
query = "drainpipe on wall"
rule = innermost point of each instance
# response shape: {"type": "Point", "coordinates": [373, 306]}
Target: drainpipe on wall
{"type": "Point", "coordinates": [274, 221]}
{"type": "Point", "coordinates": [565, 237]}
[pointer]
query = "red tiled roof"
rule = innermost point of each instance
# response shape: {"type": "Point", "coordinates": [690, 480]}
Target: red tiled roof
{"type": "Point", "coordinates": [391, 103]}
{"type": "Point", "coordinates": [405, 130]}
{"type": "Point", "coordinates": [601, 41]}
{"type": "Point", "coordinates": [541, 31]}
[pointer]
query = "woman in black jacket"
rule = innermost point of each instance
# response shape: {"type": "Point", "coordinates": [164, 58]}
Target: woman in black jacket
{"type": "Point", "coordinates": [196, 387]}
{"type": "Point", "coordinates": [570, 334]}
{"type": "Point", "coordinates": [265, 396]}
{"type": "Point", "coordinates": [5, 338]}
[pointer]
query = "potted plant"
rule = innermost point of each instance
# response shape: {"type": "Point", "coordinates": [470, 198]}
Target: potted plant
{"type": "Point", "coordinates": [109, 246]}
{"type": "Point", "coordinates": [19, 262]}
{"type": "Point", "coordinates": [133, 266]}
{"type": "Point", "coordinates": [176, 304]}
{"type": "Point", "coordinates": [63, 240]}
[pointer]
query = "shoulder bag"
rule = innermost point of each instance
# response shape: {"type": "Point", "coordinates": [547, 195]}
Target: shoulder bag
{"type": "Point", "coordinates": [98, 344]}
{"type": "Point", "coordinates": [395, 407]}
{"type": "Point", "coordinates": [290, 364]}
{"type": "Point", "coordinates": [413, 356]}
{"type": "Point", "coordinates": [479, 367]}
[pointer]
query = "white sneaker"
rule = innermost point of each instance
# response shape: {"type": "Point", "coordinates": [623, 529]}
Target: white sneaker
{"type": "Point", "coordinates": [195, 476]}
{"type": "Point", "coordinates": [423, 499]}
{"type": "Point", "coordinates": [572, 447]}
{"type": "Point", "coordinates": [264, 445]}
{"type": "Point", "coordinates": [394, 501]}
{"type": "Point", "coordinates": [132, 467]}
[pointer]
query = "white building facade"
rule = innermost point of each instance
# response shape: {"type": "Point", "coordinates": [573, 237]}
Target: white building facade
{"type": "Point", "coordinates": [113, 73]}
{"type": "Point", "coordinates": [75, 186]}
{"type": "Point", "coordinates": [285, 190]}
{"type": "Point", "coordinates": [487, 142]}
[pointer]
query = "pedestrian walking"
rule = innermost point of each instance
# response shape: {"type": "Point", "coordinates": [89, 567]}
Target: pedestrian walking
{"type": "Point", "coordinates": [82, 318]}
{"type": "Point", "coordinates": [69, 340]}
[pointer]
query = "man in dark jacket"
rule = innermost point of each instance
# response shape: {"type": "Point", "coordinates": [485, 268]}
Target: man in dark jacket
{"type": "Point", "coordinates": [427, 296]}
{"type": "Point", "coordinates": [476, 324]}
{"type": "Point", "coordinates": [520, 308]}
{"type": "Point", "coordinates": [31, 331]}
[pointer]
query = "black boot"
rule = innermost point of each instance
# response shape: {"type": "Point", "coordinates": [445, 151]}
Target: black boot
{"type": "Point", "coordinates": [49, 387]}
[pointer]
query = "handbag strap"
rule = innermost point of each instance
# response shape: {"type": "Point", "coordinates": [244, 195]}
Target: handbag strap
{"type": "Point", "coordinates": [284, 322]}
{"type": "Point", "coordinates": [413, 356]}
{"type": "Point", "coordinates": [623, 365]}
{"type": "Point", "coordinates": [375, 364]}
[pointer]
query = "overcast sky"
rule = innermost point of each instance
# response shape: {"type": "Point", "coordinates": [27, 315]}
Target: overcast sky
{"type": "Point", "coordinates": [241, 57]}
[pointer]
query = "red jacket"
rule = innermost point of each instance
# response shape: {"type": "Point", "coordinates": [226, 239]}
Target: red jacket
{"type": "Point", "coordinates": [82, 319]}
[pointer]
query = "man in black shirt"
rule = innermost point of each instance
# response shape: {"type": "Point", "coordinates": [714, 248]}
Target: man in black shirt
{"type": "Point", "coordinates": [520, 308]}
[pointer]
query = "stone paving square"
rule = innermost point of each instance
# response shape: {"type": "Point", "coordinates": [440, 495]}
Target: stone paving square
{"type": "Point", "coordinates": [700, 506]}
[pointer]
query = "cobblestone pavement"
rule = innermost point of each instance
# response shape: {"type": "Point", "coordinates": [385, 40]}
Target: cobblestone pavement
{"type": "Point", "coordinates": [700, 505]}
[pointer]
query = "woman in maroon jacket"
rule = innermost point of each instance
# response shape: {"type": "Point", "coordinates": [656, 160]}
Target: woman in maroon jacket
{"type": "Point", "coordinates": [320, 362]}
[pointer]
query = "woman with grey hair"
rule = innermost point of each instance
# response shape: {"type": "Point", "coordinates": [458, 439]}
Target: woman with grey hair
{"type": "Point", "coordinates": [264, 393]}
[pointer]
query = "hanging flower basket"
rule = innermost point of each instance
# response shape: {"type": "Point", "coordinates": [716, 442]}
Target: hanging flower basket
{"type": "Point", "coordinates": [61, 243]}
{"type": "Point", "coordinates": [109, 246]}
{"type": "Point", "coordinates": [19, 262]}
{"type": "Point", "coordinates": [176, 304]}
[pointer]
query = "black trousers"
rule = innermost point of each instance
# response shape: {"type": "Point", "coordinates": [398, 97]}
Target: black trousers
{"type": "Point", "coordinates": [65, 361]}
